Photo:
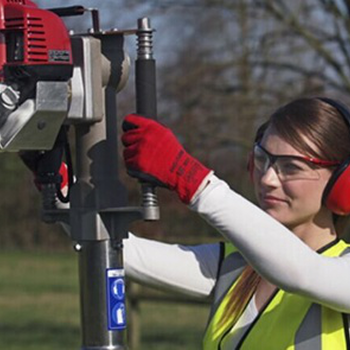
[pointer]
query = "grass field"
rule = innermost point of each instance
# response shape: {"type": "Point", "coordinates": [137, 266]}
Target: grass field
{"type": "Point", "coordinates": [39, 308]}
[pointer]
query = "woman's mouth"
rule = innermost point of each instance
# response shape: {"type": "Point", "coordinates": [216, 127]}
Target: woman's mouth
{"type": "Point", "coordinates": [270, 200]}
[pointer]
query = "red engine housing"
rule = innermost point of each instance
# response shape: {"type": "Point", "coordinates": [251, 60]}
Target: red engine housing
{"type": "Point", "coordinates": [33, 41]}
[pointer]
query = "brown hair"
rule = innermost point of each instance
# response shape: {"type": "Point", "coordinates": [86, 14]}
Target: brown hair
{"type": "Point", "coordinates": [317, 121]}
{"type": "Point", "coordinates": [239, 296]}
{"type": "Point", "coordinates": [300, 120]}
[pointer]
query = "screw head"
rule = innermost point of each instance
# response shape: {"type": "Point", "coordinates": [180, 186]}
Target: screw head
{"type": "Point", "coordinates": [41, 124]}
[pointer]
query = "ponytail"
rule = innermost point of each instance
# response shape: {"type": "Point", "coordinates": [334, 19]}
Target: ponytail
{"type": "Point", "coordinates": [239, 296]}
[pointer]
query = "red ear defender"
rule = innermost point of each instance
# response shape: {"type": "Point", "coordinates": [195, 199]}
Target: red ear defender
{"type": "Point", "coordinates": [336, 195]}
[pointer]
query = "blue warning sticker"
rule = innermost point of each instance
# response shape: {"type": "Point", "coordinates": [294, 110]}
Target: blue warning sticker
{"type": "Point", "coordinates": [116, 299]}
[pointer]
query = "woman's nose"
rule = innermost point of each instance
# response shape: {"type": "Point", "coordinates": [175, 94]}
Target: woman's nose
{"type": "Point", "coordinates": [270, 177]}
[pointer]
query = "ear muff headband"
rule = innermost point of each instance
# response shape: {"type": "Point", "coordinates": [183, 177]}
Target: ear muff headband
{"type": "Point", "coordinates": [336, 195]}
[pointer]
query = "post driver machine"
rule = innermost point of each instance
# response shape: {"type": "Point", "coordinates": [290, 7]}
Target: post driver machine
{"type": "Point", "coordinates": [50, 81]}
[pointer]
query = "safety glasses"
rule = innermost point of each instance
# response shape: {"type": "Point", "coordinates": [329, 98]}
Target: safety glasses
{"type": "Point", "coordinates": [289, 167]}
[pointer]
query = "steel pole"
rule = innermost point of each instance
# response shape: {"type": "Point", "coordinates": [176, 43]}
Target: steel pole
{"type": "Point", "coordinates": [95, 258]}
{"type": "Point", "coordinates": [98, 251]}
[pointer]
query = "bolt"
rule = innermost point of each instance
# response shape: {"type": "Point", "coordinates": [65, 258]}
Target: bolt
{"type": "Point", "coordinates": [41, 124]}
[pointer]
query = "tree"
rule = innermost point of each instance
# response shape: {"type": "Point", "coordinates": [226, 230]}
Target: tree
{"type": "Point", "coordinates": [223, 67]}
{"type": "Point", "coordinates": [239, 60]}
{"type": "Point", "coordinates": [323, 26]}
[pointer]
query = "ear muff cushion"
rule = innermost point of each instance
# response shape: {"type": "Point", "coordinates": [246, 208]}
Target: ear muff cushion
{"type": "Point", "coordinates": [336, 195]}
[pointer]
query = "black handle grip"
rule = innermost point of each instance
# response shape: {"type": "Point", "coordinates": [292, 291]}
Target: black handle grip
{"type": "Point", "coordinates": [69, 11]}
{"type": "Point", "coordinates": [146, 91]}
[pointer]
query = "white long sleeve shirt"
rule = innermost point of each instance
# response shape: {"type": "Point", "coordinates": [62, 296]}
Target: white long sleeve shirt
{"type": "Point", "coordinates": [270, 248]}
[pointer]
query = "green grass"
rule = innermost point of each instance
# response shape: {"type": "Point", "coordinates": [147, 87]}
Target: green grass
{"type": "Point", "coordinates": [39, 308]}
{"type": "Point", "coordinates": [39, 305]}
{"type": "Point", "coordinates": [172, 326]}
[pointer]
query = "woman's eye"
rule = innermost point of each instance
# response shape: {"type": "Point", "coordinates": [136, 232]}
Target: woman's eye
{"type": "Point", "coordinates": [292, 167]}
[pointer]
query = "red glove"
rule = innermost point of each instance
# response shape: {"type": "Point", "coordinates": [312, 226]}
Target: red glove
{"type": "Point", "coordinates": [153, 154]}
{"type": "Point", "coordinates": [64, 173]}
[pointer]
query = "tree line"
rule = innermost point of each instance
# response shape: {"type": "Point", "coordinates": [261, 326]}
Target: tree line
{"type": "Point", "coordinates": [223, 67]}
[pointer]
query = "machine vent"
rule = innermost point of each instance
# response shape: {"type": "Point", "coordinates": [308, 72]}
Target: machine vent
{"type": "Point", "coordinates": [34, 40]}
{"type": "Point", "coordinates": [21, 2]}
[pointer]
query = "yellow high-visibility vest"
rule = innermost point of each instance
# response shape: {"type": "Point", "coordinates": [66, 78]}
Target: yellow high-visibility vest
{"type": "Point", "coordinates": [288, 321]}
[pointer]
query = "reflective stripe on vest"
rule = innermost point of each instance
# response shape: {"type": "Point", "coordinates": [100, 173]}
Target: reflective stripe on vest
{"type": "Point", "coordinates": [231, 267]}
{"type": "Point", "coordinates": [288, 321]}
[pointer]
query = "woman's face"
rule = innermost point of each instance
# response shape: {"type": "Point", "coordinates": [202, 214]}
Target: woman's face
{"type": "Point", "coordinates": [291, 201]}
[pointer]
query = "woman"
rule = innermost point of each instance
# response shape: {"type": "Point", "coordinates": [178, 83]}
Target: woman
{"type": "Point", "coordinates": [283, 279]}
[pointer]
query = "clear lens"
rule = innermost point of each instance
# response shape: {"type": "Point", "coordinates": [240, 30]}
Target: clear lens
{"type": "Point", "coordinates": [294, 169]}
{"type": "Point", "coordinates": [261, 160]}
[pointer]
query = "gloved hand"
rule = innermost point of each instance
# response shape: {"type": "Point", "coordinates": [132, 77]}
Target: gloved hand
{"type": "Point", "coordinates": [45, 167]}
{"type": "Point", "coordinates": [153, 154]}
